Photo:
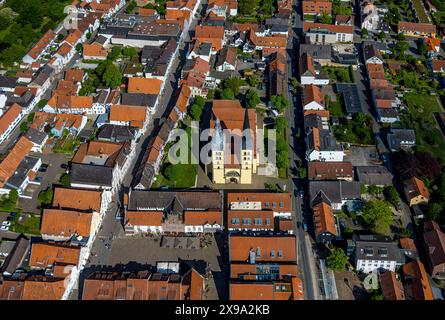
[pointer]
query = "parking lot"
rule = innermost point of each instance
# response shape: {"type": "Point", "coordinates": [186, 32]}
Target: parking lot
{"type": "Point", "coordinates": [51, 175]}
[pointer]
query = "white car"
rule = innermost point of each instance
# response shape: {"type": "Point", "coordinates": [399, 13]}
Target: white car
{"type": "Point", "coordinates": [6, 223]}
{"type": "Point", "coordinates": [4, 228]}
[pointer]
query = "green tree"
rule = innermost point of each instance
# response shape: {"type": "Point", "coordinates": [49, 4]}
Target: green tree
{"type": "Point", "coordinates": [42, 103]}
{"type": "Point", "coordinates": [294, 84]}
{"type": "Point", "coordinates": [233, 84]}
{"type": "Point", "coordinates": [112, 77]}
{"type": "Point", "coordinates": [325, 18]}
{"type": "Point", "coordinates": [422, 48]}
{"type": "Point", "coordinates": [131, 6]}
{"type": "Point", "coordinates": [364, 32]}
{"type": "Point", "coordinates": [114, 53]}
{"type": "Point", "coordinates": [227, 94]}
{"type": "Point", "coordinates": [400, 37]}
{"type": "Point", "coordinates": [253, 81]}
{"type": "Point", "coordinates": [279, 102]}
{"type": "Point", "coordinates": [382, 35]}
{"type": "Point", "coordinates": [88, 35]}
{"type": "Point", "coordinates": [302, 173]}
{"type": "Point", "coordinates": [211, 95]}
{"type": "Point", "coordinates": [79, 47]}
{"type": "Point", "coordinates": [200, 101]}
{"type": "Point", "coordinates": [391, 195]}
{"type": "Point", "coordinates": [435, 211]}
{"type": "Point", "coordinates": [12, 54]}
{"type": "Point", "coordinates": [45, 197]}
{"type": "Point", "coordinates": [377, 216]}
{"type": "Point", "coordinates": [65, 180]}
{"type": "Point", "coordinates": [247, 7]}
{"type": "Point", "coordinates": [252, 98]}
{"type": "Point", "coordinates": [196, 111]}
{"type": "Point", "coordinates": [24, 126]}
{"type": "Point", "coordinates": [129, 52]}
{"type": "Point", "coordinates": [30, 117]}
{"type": "Point", "coordinates": [337, 259]}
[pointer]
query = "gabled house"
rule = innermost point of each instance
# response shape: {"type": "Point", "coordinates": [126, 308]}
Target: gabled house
{"type": "Point", "coordinates": [415, 191]}
{"type": "Point", "coordinates": [324, 220]}
{"type": "Point", "coordinates": [434, 241]}
{"type": "Point", "coordinates": [313, 98]}
{"type": "Point", "coordinates": [309, 74]}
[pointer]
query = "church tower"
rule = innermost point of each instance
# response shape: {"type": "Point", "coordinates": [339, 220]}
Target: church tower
{"type": "Point", "coordinates": [218, 154]}
{"type": "Point", "coordinates": [247, 151]}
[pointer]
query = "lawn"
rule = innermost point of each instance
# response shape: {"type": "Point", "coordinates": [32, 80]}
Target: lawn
{"type": "Point", "coordinates": [176, 176]}
{"type": "Point", "coordinates": [420, 11]}
{"type": "Point", "coordinates": [335, 107]}
{"type": "Point", "coordinates": [420, 118]}
{"type": "Point", "coordinates": [66, 145]}
{"type": "Point", "coordinates": [180, 175]}
{"type": "Point", "coordinates": [31, 225]}
{"type": "Point", "coordinates": [338, 74]}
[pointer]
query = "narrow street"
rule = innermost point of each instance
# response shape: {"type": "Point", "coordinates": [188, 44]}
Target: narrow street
{"type": "Point", "coordinates": [305, 255]}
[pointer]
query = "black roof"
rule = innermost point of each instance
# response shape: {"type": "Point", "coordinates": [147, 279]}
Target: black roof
{"type": "Point", "coordinates": [7, 82]}
{"type": "Point", "coordinates": [91, 174]}
{"type": "Point", "coordinates": [21, 173]}
{"type": "Point", "coordinates": [15, 258]}
{"type": "Point", "coordinates": [351, 98]}
{"type": "Point", "coordinates": [115, 133]}
{"type": "Point", "coordinates": [174, 201]}
{"type": "Point", "coordinates": [35, 136]}
{"type": "Point", "coordinates": [139, 99]}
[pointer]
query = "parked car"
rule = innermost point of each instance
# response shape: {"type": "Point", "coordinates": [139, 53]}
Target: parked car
{"type": "Point", "coordinates": [13, 214]}
{"type": "Point", "coordinates": [6, 223]}
{"type": "Point", "coordinates": [4, 228]}
{"type": "Point", "coordinates": [64, 166]}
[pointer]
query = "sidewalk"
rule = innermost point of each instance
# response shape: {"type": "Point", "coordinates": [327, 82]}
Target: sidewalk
{"type": "Point", "coordinates": [314, 267]}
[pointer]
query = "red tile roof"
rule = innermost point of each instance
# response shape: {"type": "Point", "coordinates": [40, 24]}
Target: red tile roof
{"type": "Point", "coordinates": [80, 199]}
{"type": "Point", "coordinates": [144, 85]}
{"type": "Point", "coordinates": [10, 163]}
{"type": "Point", "coordinates": [66, 223]}
{"type": "Point", "coordinates": [416, 27]}
{"type": "Point", "coordinates": [143, 218]}
{"type": "Point", "coordinates": [44, 255]}
{"type": "Point", "coordinates": [200, 218]}
{"type": "Point", "coordinates": [9, 116]}
{"type": "Point", "coordinates": [269, 247]}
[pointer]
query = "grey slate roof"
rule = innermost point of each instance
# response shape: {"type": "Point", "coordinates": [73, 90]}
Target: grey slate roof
{"type": "Point", "coordinates": [350, 95]}
{"type": "Point", "coordinates": [91, 174]}
{"type": "Point", "coordinates": [398, 137]}
{"type": "Point", "coordinates": [174, 201]}
{"type": "Point", "coordinates": [115, 133]}
{"type": "Point", "coordinates": [317, 51]}
{"type": "Point", "coordinates": [139, 99]}
{"type": "Point", "coordinates": [335, 191]}
{"type": "Point", "coordinates": [21, 172]}
{"type": "Point", "coordinates": [327, 141]}
{"type": "Point", "coordinates": [371, 50]}
{"type": "Point", "coordinates": [7, 82]}
{"type": "Point", "coordinates": [35, 136]}
{"type": "Point", "coordinates": [374, 247]}
{"type": "Point", "coordinates": [16, 257]}
{"type": "Point", "coordinates": [374, 175]}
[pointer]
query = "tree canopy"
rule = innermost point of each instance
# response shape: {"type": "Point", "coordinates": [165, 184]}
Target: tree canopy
{"type": "Point", "coordinates": [337, 259]}
{"type": "Point", "coordinates": [252, 98]}
{"type": "Point", "coordinates": [377, 216]}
